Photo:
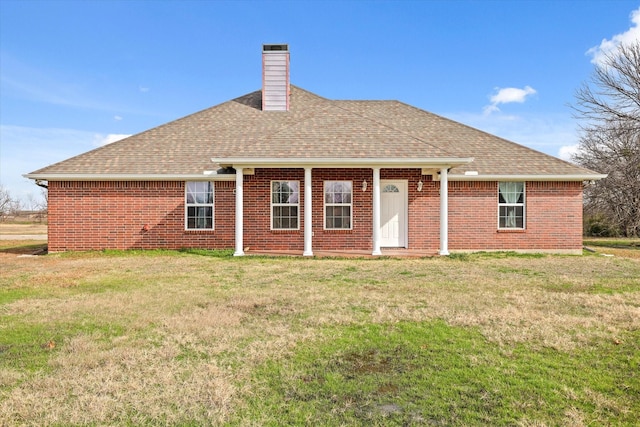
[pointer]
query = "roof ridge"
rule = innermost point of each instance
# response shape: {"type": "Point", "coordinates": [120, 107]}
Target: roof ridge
{"type": "Point", "coordinates": [335, 103]}
{"type": "Point", "coordinates": [322, 109]}
{"type": "Point", "coordinates": [282, 127]}
{"type": "Point", "coordinates": [396, 129]}
{"type": "Point", "coordinates": [140, 134]}
{"type": "Point", "coordinates": [522, 146]}
{"type": "Point", "coordinates": [474, 129]}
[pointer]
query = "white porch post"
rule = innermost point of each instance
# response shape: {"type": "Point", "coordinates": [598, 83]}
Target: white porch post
{"type": "Point", "coordinates": [308, 221]}
{"type": "Point", "coordinates": [239, 212]}
{"type": "Point", "coordinates": [444, 212]}
{"type": "Point", "coordinates": [376, 212]}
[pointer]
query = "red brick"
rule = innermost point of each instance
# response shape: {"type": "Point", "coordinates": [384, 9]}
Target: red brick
{"type": "Point", "coordinates": [112, 215]}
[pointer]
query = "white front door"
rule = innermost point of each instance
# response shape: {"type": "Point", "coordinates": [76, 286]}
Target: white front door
{"type": "Point", "coordinates": [393, 214]}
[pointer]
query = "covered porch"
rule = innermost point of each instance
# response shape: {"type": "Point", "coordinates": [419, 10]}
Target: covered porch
{"type": "Point", "coordinates": [437, 167]}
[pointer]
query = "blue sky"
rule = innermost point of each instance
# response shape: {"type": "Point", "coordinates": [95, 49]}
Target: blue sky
{"type": "Point", "coordinates": [75, 75]}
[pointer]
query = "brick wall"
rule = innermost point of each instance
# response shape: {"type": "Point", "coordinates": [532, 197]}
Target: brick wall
{"type": "Point", "coordinates": [360, 237]}
{"type": "Point", "coordinates": [113, 215]}
{"type": "Point", "coordinates": [257, 211]}
{"type": "Point", "coordinates": [99, 215]}
{"type": "Point", "coordinates": [553, 217]}
{"type": "Point", "coordinates": [257, 217]}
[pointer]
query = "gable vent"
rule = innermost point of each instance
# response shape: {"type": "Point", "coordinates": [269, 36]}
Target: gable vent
{"type": "Point", "coordinates": [275, 77]}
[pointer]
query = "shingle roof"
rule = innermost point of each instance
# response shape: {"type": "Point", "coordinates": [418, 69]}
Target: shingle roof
{"type": "Point", "coordinates": [313, 128]}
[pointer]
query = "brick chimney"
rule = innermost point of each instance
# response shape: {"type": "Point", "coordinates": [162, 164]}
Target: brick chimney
{"type": "Point", "coordinates": [275, 77]}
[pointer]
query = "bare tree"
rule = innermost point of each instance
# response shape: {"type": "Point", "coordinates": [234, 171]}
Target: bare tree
{"type": "Point", "coordinates": [8, 205]}
{"type": "Point", "coordinates": [30, 202]}
{"type": "Point", "coordinates": [609, 109]}
{"type": "Point", "coordinates": [42, 205]}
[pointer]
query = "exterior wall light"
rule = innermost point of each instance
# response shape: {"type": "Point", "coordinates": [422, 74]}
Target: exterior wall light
{"type": "Point", "coordinates": [420, 185]}
{"type": "Point", "coordinates": [364, 185]}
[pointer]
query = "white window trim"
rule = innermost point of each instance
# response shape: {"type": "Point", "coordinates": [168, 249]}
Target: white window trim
{"type": "Point", "coordinates": [325, 204]}
{"type": "Point", "coordinates": [523, 204]}
{"type": "Point", "coordinates": [283, 204]}
{"type": "Point", "coordinates": [188, 205]}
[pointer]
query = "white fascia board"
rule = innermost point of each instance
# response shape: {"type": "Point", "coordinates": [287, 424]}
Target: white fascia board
{"type": "Point", "coordinates": [480, 177]}
{"type": "Point", "coordinates": [440, 162]}
{"type": "Point", "coordinates": [129, 177]}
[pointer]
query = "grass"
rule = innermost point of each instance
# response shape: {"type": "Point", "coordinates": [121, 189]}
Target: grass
{"type": "Point", "coordinates": [17, 228]}
{"type": "Point", "coordinates": [627, 247]}
{"type": "Point", "coordinates": [613, 242]}
{"type": "Point", "coordinates": [203, 338]}
{"type": "Point", "coordinates": [431, 373]}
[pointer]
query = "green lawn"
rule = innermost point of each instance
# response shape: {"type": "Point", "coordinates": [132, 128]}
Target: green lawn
{"type": "Point", "coordinates": [203, 338]}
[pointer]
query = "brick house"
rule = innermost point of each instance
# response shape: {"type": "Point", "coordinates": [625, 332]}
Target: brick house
{"type": "Point", "coordinates": [283, 169]}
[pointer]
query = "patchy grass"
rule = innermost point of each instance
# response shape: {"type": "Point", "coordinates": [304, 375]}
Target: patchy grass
{"type": "Point", "coordinates": [201, 337]}
{"type": "Point", "coordinates": [424, 373]}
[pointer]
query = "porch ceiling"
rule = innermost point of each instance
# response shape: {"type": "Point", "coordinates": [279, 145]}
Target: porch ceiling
{"type": "Point", "coordinates": [433, 163]}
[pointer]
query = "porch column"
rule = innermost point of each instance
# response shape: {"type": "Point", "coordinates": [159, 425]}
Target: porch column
{"type": "Point", "coordinates": [239, 212]}
{"type": "Point", "coordinates": [376, 212]}
{"type": "Point", "coordinates": [308, 221]}
{"type": "Point", "coordinates": [444, 212]}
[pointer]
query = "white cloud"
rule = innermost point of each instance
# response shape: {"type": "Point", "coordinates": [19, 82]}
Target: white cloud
{"type": "Point", "coordinates": [566, 152]}
{"type": "Point", "coordinates": [101, 140]}
{"type": "Point", "coordinates": [606, 47]}
{"type": "Point", "coordinates": [143, 89]}
{"type": "Point", "coordinates": [117, 118]}
{"type": "Point", "coordinates": [511, 94]}
{"type": "Point", "coordinates": [490, 109]}
{"type": "Point", "coordinates": [508, 95]}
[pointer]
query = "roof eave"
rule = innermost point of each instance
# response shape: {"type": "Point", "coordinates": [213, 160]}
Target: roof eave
{"type": "Point", "coordinates": [206, 175]}
{"type": "Point", "coordinates": [531, 177]}
{"type": "Point", "coordinates": [212, 175]}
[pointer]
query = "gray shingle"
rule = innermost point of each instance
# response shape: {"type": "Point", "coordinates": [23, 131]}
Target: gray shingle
{"type": "Point", "coordinates": [314, 127]}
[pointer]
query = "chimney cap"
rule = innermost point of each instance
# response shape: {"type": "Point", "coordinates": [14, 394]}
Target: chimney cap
{"type": "Point", "coordinates": [275, 47]}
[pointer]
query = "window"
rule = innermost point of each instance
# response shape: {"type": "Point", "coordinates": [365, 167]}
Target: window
{"type": "Point", "coordinates": [285, 205]}
{"type": "Point", "coordinates": [199, 205]}
{"type": "Point", "coordinates": [337, 205]}
{"type": "Point", "coordinates": [511, 205]}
